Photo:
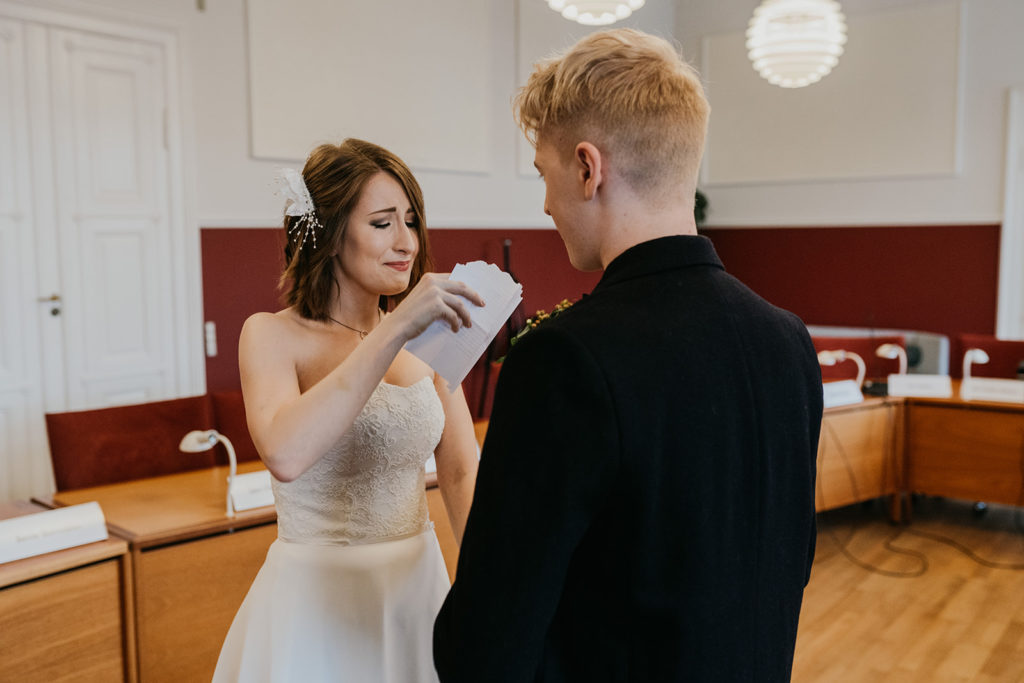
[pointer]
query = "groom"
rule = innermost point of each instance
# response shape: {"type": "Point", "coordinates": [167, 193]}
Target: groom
{"type": "Point", "coordinates": [644, 509]}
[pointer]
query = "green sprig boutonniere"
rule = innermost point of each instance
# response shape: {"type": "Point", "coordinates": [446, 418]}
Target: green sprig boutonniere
{"type": "Point", "coordinates": [540, 317]}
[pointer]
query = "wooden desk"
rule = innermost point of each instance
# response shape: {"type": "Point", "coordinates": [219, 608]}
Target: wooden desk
{"type": "Point", "coordinates": [966, 449]}
{"type": "Point", "coordinates": [65, 615]}
{"type": "Point", "coordinates": [860, 454]}
{"type": "Point", "coordinates": [191, 565]}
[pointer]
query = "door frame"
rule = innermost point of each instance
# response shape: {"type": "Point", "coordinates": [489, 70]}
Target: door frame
{"type": "Point", "coordinates": [186, 290]}
{"type": "Point", "coordinates": [1010, 310]}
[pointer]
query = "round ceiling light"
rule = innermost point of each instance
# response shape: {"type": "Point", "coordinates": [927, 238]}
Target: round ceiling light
{"type": "Point", "coordinates": [595, 12]}
{"type": "Point", "coordinates": [793, 43]}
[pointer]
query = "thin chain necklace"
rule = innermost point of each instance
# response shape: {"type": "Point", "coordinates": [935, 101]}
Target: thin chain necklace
{"type": "Point", "coordinates": [362, 333]}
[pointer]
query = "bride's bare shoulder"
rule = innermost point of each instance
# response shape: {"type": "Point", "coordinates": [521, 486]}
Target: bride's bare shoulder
{"type": "Point", "coordinates": [283, 327]}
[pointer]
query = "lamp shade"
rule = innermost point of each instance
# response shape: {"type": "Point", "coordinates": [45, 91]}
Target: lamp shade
{"type": "Point", "coordinates": [972, 356]}
{"type": "Point", "coordinates": [831, 357]}
{"type": "Point", "coordinates": [595, 12]}
{"type": "Point", "coordinates": [793, 43]}
{"type": "Point", "coordinates": [893, 352]}
{"type": "Point", "coordinates": [199, 440]}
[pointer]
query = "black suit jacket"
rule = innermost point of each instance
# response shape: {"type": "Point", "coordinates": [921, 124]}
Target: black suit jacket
{"type": "Point", "coordinates": [644, 509]}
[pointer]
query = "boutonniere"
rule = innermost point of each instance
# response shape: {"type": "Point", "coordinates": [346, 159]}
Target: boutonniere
{"type": "Point", "coordinates": [541, 317]}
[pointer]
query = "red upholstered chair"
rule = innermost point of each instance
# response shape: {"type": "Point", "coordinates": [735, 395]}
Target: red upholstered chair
{"type": "Point", "coordinates": [229, 416]}
{"type": "Point", "coordinates": [877, 368]}
{"type": "Point", "coordinates": [1004, 356]}
{"type": "Point", "coordinates": [95, 447]}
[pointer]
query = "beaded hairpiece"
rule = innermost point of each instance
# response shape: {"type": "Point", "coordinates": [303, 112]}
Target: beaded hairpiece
{"type": "Point", "coordinates": [298, 203]}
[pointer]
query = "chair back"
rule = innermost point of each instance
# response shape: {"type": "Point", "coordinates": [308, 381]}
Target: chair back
{"type": "Point", "coordinates": [1004, 356]}
{"type": "Point", "coordinates": [109, 445]}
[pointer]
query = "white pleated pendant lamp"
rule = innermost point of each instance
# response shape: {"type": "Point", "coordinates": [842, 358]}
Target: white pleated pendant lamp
{"type": "Point", "coordinates": [794, 43]}
{"type": "Point", "coordinates": [595, 12]}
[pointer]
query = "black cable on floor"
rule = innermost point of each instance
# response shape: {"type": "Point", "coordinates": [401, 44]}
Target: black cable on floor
{"type": "Point", "coordinates": [888, 544]}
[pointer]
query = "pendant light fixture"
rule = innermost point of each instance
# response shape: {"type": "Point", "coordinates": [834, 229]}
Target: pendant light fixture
{"type": "Point", "coordinates": [595, 12]}
{"type": "Point", "coordinates": [794, 43]}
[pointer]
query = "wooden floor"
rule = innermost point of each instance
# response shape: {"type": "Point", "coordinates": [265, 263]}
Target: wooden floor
{"type": "Point", "coordinates": [934, 615]}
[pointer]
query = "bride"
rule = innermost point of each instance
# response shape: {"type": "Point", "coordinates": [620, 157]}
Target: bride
{"type": "Point", "coordinates": [344, 419]}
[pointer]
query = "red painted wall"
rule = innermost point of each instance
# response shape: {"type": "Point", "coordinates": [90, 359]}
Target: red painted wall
{"type": "Point", "coordinates": [240, 271]}
{"type": "Point", "coordinates": [931, 278]}
{"type": "Point", "coordinates": [934, 278]}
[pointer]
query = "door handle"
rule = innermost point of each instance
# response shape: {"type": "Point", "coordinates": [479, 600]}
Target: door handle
{"type": "Point", "coordinates": [54, 300]}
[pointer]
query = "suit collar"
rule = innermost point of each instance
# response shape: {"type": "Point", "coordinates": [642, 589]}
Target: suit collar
{"type": "Point", "coordinates": [664, 253]}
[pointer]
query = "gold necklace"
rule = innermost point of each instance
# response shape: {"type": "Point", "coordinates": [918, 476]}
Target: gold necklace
{"type": "Point", "coordinates": [362, 333]}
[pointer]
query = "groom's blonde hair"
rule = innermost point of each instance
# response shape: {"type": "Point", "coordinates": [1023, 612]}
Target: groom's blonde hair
{"type": "Point", "coordinates": [629, 93]}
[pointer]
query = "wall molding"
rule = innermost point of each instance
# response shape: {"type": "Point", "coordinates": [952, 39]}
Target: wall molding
{"type": "Point", "coordinates": [1010, 310]}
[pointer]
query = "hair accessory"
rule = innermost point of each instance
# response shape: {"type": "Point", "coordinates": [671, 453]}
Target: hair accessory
{"type": "Point", "coordinates": [298, 203]}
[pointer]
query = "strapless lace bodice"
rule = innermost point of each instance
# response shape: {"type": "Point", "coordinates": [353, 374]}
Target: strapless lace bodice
{"type": "Point", "coordinates": [369, 486]}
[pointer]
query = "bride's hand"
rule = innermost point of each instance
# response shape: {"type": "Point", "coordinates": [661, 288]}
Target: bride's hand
{"type": "Point", "coordinates": [435, 297]}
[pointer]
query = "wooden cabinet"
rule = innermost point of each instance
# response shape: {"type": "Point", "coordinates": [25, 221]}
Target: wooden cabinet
{"type": "Point", "coordinates": [970, 450]}
{"type": "Point", "coordinates": [186, 597]}
{"type": "Point", "coordinates": [191, 565]}
{"type": "Point", "coordinates": [860, 453]}
{"type": "Point", "coordinates": [63, 615]}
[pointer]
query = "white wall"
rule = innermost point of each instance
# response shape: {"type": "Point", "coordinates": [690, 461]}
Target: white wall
{"type": "Point", "coordinates": [993, 62]}
{"type": "Point", "coordinates": [231, 189]}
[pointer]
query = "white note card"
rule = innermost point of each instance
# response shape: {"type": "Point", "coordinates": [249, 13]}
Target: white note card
{"type": "Point", "coordinates": [842, 393]}
{"type": "Point", "coordinates": [252, 490]}
{"type": "Point", "coordinates": [992, 389]}
{"type": "Point", "coordinates": [45, 532]}
{"type": "Point", "coordinates": [923, 386]}
{"type": "Point", "coordinates": [452, 354]}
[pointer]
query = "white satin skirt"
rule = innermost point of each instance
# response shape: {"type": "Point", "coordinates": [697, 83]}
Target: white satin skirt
{"type": "Point", "coordinates": [360, 613]}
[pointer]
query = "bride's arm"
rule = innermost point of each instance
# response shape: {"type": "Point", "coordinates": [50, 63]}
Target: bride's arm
{"type": "Point", "coordinates": [456, 457]}
{"type": "Point", "coordinates": [292, 430]}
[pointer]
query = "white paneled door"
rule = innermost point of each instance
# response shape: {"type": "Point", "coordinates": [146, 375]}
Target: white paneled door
{"type": "Point", "coordinates": [111, 176]}
{"type": "Point", "coordinates": [23, 466]}
{"type": "Point", "coordinates": [90, 299]}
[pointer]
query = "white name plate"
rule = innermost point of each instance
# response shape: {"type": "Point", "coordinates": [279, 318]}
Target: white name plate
{"type": "Point", "coordinates": [992, 389]}
{"type": "Point", "coordinates": [842, 393]}
{"type": "Point", "coordinates": [925, 386]}
{"type": "Point", "coordinates": [45, 532]}
{"type": "Point", "coordinates": [252, 490]}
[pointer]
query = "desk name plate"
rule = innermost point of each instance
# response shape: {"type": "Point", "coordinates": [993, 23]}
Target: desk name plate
{"type": "Point", "coordinates": [992, 389]}
{"type": "Point", "coordinates": [923, 386]}
{"type": "Point", "coordinates": [252, 490]}
{"type": "Point", "coordinates": [842, 393]}
{"type": "Point", "coordinates": [44, 532]}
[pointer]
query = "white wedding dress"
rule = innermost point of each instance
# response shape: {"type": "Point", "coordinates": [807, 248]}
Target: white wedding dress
{"type": "Point", "coordinates": [351, 586]}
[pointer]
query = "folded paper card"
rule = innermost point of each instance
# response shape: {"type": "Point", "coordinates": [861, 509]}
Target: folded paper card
{"type": "Point", "coordinates": [252, 490]}
{"type": "Point", "coordinates": [925, 386]}
{"type": "Point", "coordinates": [992, 389]}
{"type": "Point", "coordinates": [452, 354]}
{"type": "Point", "coordinates": [841, 393]}
{"type": "Point", "coordinates": [45, 532]}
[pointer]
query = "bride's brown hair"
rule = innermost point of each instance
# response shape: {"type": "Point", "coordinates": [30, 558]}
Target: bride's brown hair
{"type": "Point", "coordinates": [335, 176]}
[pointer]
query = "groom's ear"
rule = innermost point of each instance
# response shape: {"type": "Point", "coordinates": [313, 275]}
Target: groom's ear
{"type": "Point", "coordinates": [589, 168]}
